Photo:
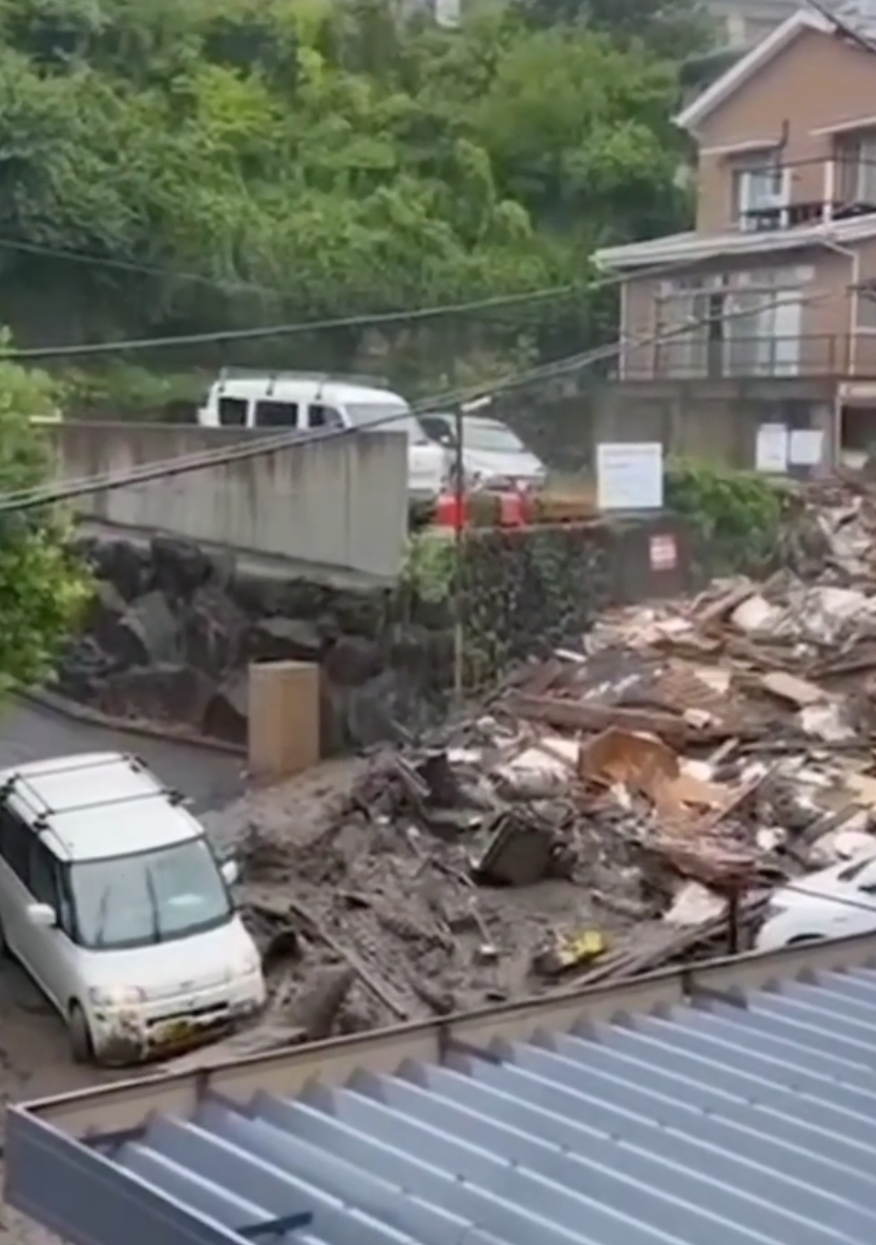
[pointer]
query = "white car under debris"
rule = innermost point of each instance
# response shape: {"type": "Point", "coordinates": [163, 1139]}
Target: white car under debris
{"type": "Point", "coordinates": [833, 903]}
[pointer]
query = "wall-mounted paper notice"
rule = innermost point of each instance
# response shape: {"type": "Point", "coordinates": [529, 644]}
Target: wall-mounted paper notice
{"type": "Point", "coordinates": [771, 449]}
{"type": "Point", "coordinates": [806, 447]}
{"type": "Point", "coordinates": [629, 475]}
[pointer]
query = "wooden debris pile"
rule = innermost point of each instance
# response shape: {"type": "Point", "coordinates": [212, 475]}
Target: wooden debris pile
{"type": "Point", "coordinates": [622, 806]}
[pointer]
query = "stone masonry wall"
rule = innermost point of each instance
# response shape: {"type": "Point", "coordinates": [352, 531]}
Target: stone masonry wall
{"type": "Point", "coordinates": [171, 631]}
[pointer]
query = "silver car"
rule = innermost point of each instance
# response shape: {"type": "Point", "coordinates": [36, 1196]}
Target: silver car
{"type": "Point", "coordinates": [492, 453]}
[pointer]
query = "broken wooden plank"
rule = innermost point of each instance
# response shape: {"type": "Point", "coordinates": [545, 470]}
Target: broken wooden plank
{"type": "Point", "coordinates": [378, 988]}
{"type": "Point", "coordinates": [584, 716]}
{"type": "Point", "coordinates": [789, 688]}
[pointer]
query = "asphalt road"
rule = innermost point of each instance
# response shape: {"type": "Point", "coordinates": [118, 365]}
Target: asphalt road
{"type": "Point", "coordinates": [208, 777]}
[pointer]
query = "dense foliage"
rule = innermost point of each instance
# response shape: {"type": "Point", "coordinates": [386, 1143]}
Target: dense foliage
{"type": "Point", "coordinates": [735, 516]}
{"type": "Point", "coordinates": [43, 588]}
{"type": "Point", "coordinates": [284, 159]}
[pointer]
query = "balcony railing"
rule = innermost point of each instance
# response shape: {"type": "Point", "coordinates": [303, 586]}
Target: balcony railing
{"type": "Point", "coordinates": [816, 191]}
{"type": "Point", "coordinates": [813, 355]}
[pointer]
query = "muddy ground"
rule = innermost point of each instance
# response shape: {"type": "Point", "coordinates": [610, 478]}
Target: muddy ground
{"type": "Point", "coordinates": [395, 904]}
{"type": "Point", "coordinates": [398, 900]}
{"type": "Point", "coordinates": [33, 1063]}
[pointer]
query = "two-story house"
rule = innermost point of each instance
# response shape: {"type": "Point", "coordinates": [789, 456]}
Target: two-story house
{"type": "Point", "coordinates": [779, 277]}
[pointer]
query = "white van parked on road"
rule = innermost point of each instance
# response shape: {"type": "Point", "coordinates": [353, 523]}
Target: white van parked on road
{"type": "Point", "coordinates": [316, 402]}
{"type": "Point", "coordinates": [112, 900]}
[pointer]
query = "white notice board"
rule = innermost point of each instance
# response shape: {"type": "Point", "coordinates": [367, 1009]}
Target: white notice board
{"type": "Point", "coordinates": [806, 447]}
{"type": "Point", "coordinates": [771, 449]}
{"type": "Point", "coordinates": [629, 475]}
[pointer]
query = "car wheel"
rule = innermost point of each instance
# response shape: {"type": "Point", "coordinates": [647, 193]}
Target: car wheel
{"type": "Point", "coordinates": [80, 1035]}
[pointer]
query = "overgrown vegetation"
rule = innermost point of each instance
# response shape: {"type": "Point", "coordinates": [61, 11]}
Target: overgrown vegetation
{"type": "Point", "coordinates": [43, 589]}
{"type": "Point", "coordinates": [429, 566]}
{"type": "Point", "coordinates": [735, 515]}
{"type": "Point", "coordinates": [192, 167]}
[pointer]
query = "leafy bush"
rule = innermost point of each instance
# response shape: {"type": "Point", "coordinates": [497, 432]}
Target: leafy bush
{"type": "Point", "coordinates": [735, 515]}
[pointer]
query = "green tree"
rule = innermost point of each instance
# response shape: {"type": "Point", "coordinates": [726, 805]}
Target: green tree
{"type": "Point", "coordinates": [43, 588]}
{"type": "Point", "coordinates": [672, 28]}
{"type": "Point", "coordinates": [184, 168]}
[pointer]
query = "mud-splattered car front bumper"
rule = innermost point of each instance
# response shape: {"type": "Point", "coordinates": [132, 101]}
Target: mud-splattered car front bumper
{"type": "Point", "coordinates": [131, 1034]}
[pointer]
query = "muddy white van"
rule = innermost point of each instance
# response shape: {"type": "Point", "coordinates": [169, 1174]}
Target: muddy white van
{"type": "Point", "coordinates": [314, 402]}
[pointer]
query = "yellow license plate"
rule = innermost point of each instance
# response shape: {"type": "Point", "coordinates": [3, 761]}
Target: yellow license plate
{"type": "Point", "coordinates": [179, 1032]}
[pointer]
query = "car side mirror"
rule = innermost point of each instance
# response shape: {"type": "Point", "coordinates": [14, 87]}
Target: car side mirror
{"type": "Point", "coordinates": [230, 870]}
{"type": "Point", "coordinates": [42, 915]}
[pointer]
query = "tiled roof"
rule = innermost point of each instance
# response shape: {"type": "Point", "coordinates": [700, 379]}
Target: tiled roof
{"type": "Point", "coordinates": [739, 1123]}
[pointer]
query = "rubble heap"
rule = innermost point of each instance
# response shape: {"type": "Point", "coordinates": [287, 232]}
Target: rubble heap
{"type": "Point", "coordinates": [606, 813]}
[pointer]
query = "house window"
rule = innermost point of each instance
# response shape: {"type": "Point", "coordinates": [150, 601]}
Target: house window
{"type": "Point", "coordinates": [682, 335]}
{"type": "Point", "coordinates": [762, 333]}
{"type": "Point", "coordinates": [760, 188]}
{"type": "Point", "coordinates": [855, 156]}
{"type": "Point", "coordinates": [738, 331]}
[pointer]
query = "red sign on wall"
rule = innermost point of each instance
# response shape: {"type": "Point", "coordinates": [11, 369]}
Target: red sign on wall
{"type": "Point", "coordinates": [664, 554]}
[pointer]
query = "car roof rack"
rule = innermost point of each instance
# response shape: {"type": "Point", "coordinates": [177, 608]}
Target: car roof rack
{"type": "Point", "coordinates": [41, 821]}
{"type": "Point", "coordinates": [272, 375]}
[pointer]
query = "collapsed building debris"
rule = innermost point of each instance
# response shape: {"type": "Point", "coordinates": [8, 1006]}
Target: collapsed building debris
{"type": "Point", "coordinates": [617, 808]}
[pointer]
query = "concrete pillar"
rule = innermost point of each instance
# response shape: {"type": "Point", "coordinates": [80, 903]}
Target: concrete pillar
{"type": "Point", "coordinates": [283, 718]}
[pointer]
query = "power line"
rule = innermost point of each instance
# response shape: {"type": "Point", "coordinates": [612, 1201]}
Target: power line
{"type": "Point", "coordinates": [500, 302]}
{"type": "Point", "coordinates": [183, 464]}
{"type": "Point", "coordinates": [547, 294]}
{"type": "Point", "coordinates": [124, 265]}
{"type": "Point", "coordinates": [44, 496]}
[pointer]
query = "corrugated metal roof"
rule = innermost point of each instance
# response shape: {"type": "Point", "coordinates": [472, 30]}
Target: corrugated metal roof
{"type": "Point", "coordinates": [744, 1123]}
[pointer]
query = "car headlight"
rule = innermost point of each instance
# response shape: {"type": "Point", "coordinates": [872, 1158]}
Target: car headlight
{"type": "Point", "coordinates": [245, 964]}
{"type": "Point", "coordinates": [116, 996]}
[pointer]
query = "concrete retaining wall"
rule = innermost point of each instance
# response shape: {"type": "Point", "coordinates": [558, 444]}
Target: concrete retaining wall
{"type": "Point", "coordinates": [338, 503]}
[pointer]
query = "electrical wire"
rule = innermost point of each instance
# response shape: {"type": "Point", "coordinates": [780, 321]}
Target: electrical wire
{"type": "Point", "coordinates": [256, 287]}
{"type": "Point", "coordinates": [124, 265]}
{"type": "Point", "coordinates": [266, 445]}
{"type": "Point", "coordinates": [28, 499]}
{"type": "Point", "coordinates": [551, 293]}
{"type": "Point", "coordinates": [69, 490]}
{"type": "Point", "coordinates": [299, 328]}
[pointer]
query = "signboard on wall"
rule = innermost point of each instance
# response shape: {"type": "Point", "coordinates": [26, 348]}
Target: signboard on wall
{"type": "Point", "coordinates": [663, 553]}
{"type": "Point", "coordinates": [629, 475]}
{"type": "Point", "coordinates": [771, 449]}
{"type": "Point", "coordinates": [806, 447]}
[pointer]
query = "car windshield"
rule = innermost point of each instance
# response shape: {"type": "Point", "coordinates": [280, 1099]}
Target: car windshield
{"type": "Point", "coordinates": [389, 415]}
{"type": "Point", "coordinates": [490, 436]}
{"type": "Point", "coordinates": [486, 435]}
{"type": "Point", "coordinates": [133, 901]}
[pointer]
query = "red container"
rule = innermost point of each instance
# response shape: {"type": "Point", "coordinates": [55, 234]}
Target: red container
{"type": "Point", "coordinates": [513, 510]}
{"type": "Point", "coordinates": [449, 512]}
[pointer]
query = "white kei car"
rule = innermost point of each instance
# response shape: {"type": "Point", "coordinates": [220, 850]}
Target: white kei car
{"type": "Point", "coordinates": [113, 901]}
{"type": "Point", "coordinates": [832, 903]}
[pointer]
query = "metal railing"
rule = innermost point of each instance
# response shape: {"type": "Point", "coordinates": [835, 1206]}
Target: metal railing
{"type": "Point", "coordinates": [817, 190]}
{"type": "Point", "coordinates": [807, 355]}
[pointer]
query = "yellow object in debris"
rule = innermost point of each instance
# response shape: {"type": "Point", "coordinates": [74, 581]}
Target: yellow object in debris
{"type": "Point", "coordinates": [581, 948]}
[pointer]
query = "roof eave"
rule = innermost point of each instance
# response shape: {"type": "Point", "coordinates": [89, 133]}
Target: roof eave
{"type": "Point", "coordinates": [856, 229]}
{"type": "Point", "coordinates": [728, 83]}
